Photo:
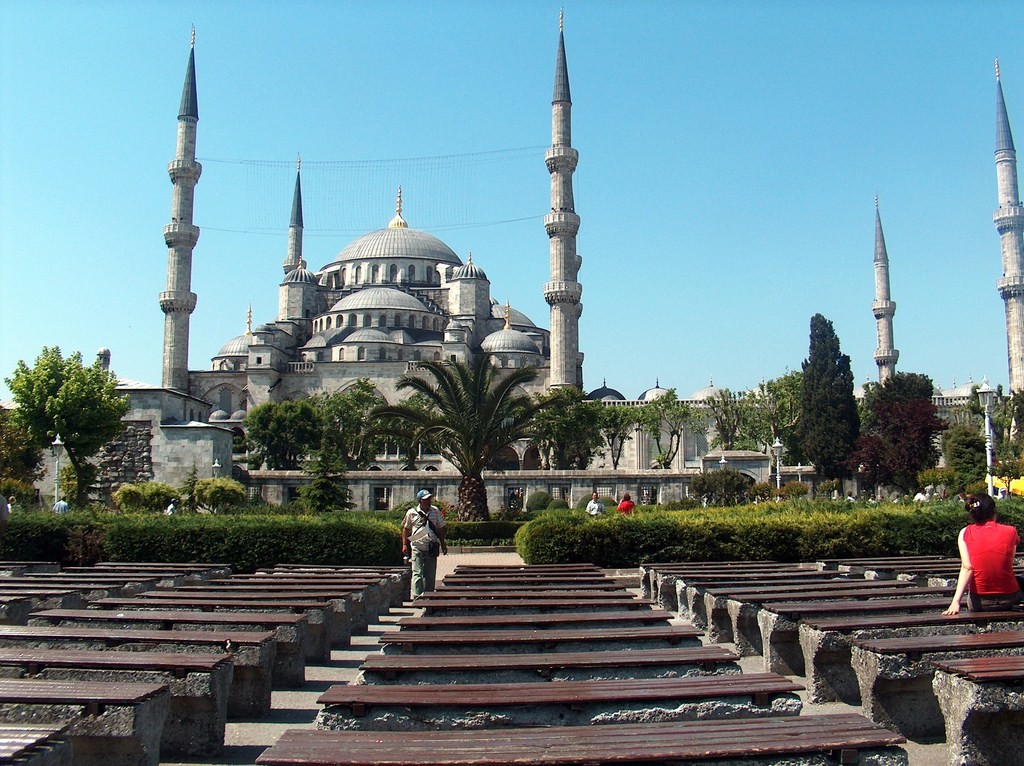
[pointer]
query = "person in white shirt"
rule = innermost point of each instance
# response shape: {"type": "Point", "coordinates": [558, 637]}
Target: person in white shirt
{"type": "Point", "coordinates": [423, 541]}
{"type": "Point", "coordinates": [595, 507]}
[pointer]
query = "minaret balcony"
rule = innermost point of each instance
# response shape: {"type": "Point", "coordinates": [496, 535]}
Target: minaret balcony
{"type": "Point", "coordinates": [561, 158]}
{"type": "Point", "coordinates": [563, 292]}
{"type": "Point", "coordinates": [1008, 218]}
{"type": "Point", "coordinates": [1011, 286]}
{"type": "Point", "coordinates": [562, 222]}
{"type": "Point", "coordinates": [184, 170]}
{"type": "Point", "coordinates": [172, 301]}
{"type": "Point", "coordinates": [883, 309]}
{"type": "Point", "coordinates": [887, 357]}
{"type": "Point", "coordinates": [181, 234]}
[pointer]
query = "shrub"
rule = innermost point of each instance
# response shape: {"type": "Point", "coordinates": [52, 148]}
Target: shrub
{"type": "Point", "coordinates": [22, 492]}
{"type": "Point", "coordinates": [683, 504]}
{"type": "Point", "coordinates": [558, 504]}
{"type": "Point", "coordinates": [794, 489]}
{"type": "Point", "coordinates": [538, 501]}
{"type": "Point", "coordinates": [146, 497]}
{"type": "Point", "coordinates": [761, 491]}
{"type": "Point", "coordinates": [219, 494]}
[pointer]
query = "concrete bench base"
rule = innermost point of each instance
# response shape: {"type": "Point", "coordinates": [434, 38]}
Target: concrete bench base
{"type": "Point", "coordinates": [34, 745]}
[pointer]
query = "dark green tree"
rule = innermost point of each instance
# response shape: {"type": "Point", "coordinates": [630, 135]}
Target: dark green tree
{"type": "Point", "coordinates": [723, 487]}
{"type": "Point", "coordinates": [666, 420]}
{"type": "Point", "coordinates": [21, 459]}
{"type": "Point", "coordinates": [328, 488]}
{"type": "Point", "coordinates": [475, 410]}
{"type": "Point", "coordinates": [964, 450]}
{"type": "Point", "coordinates": [617, 426]}
{"type": "Point", "coordinates": [567, 430]}
{"type": "Point", "coordinates": [281, 434]}
{"type": "Point", "coordinates": [829, 424]}
{"type": "Point", "coordinates": [63, 396]}
{"type": "Point", "coordinates": [346, 417]}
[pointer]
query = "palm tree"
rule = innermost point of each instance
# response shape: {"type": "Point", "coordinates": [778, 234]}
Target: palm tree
{"type": "Point", "coordinates": [470, 416]}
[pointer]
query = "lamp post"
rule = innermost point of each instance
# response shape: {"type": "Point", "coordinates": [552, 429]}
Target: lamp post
{"type": "Point", "coordinates": [722, 463]}
{"type": "Point", "coordinates": [800, 472]}
{"type": "Point", "coordinates": [216, 468]}
{"type": "Point", "coordinates": [777, 450]}
{"type": "Point", "coordinates": [57, 446]}
{"type": "Point", "coordinates": [986, 397]}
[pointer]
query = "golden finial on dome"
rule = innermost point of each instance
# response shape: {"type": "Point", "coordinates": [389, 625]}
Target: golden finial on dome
{"type": "Point", "coordinates": [469, 260]}
{"type": "Point", "coordinates": [508, 315]}
{"type": "Point", "coordinates": [398, 222]}
{"type": "Point", "coordinates": [248, 321]}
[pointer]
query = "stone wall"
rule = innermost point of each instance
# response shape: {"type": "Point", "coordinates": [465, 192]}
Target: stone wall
{"type": "Point", "coordinates": [126, 460]}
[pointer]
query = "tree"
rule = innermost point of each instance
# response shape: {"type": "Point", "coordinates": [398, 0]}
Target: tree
{"type": "Point", "coordinates": [62, 396]}
{"type": "Point", "coordinates": [346, 416]}
{"type": "Point", "coordinates": [328, 489]}
{"type": "Point", "coordinates": [21, 459]}
{"type": "Point", "coordinates": [282, 434]}
{"type": "Point", "coordinates": [900, 440]}
{"type": "Point", "coordinates": [617, 426]}
{"type": "Point", "coordinates": [219, 494]}
{"type": "Point", "coordinates": [665, 420]}
{"type": "Point", "coordinates": [964, 450]}
{"type": "Point", "coordinates": [829, 425]}
{"type": "Point", "coordinates": [567, 430]}
{"type": "Point", "coordinates": [732, 417]}
{"type": "Point", "coordinates": [472, 416]}
{"type": "Point", "coordinates": [723, 487]}
{"type": "Point", "coordinates": [775, 414]}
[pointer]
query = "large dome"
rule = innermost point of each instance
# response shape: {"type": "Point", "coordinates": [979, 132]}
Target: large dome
{"type": "Point", "coordinates": [374, 298]}
{"type": "Point", "coordinates": [237, 346]}
{"type": "Point", "coordinates": [399, 242]}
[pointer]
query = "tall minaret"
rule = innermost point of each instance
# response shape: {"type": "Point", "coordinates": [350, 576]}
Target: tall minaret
{"type": "Point", "coordinates": [178, 301]}
{"type": "Point", "coordinates": [293, 260]}
{"type": "Point", "coordinates": [1009, 220]}
{"type": "Point", "coordinates": [563, 292]}
{"type": "Point", "coordinates": [883, 308]}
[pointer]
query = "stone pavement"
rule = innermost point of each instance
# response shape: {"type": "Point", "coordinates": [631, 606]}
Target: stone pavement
{"type": "Point", "coordinates": [245, 740]}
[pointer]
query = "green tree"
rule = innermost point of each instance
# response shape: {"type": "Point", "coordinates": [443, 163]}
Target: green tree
{"type": "Point", "coordinates": [734, 420]}
{"type": "Point", "coordinates": [567, 430]}
{"type": "Point", "coordinates": [187, 493]}
{"type": "Point", "coordinates": [775, 414]}
{"type": "Point", "coordinates": [345, 415]}
{"type": "Point", "coordinates": [282, 434]}
{"type": "Point", "coordinates": [328, 489]}
{"type": "Point", "coordinates": [964, 450]}
{"type": "Point", "coordinates": [63, 396]}
{"type": "Point", "coordinates": [21, 459]}
{"type": "Point", "coordinates": [473, 415]}
{"type": "Point", "coordinates": [219, 494]}
{"type": "Point", "coordinates": [829, 425]}
{"type": "Point", "coordinates": [666, 420]}
{"type": "Point", "coordinates": [721, 488]}
{"type": "Point", "coordinates": [617, 426]}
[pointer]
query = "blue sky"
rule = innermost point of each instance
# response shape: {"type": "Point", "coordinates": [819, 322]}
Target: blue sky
{"type": "Point", "coordinates": [730, 153]}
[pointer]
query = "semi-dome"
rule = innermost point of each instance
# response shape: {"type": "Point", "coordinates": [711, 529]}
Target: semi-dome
{"type": "Point", "coordinates": [238, 415]}
{"type": "Point", "coordinates": [653, 393]}
{"type": "Point", "coordinates": [368, 335]}
{"type": "Point", "coordinates": [300, 276]}
{"type": "Point", "coordinates": [509, 341]}
{"type": "Point", "coordinates": [237, 346]}
{"type": "Point", "coordinates": [379, 298]}
{"type": "Point", "coordinates": [514, 316]}
{"type": "Point", "coordinates": [605, 394]}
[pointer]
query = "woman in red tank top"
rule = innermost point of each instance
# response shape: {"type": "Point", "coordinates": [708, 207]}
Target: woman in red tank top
{"type": "Point", "coordinates": [987, 549]}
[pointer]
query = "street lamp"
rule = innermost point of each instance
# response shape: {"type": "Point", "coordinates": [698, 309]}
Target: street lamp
{"type": "Point", "coordinates": [216, 468]}
{"type": "Point", "coordinates": [57, 445]}
{"type": "Point", "coordinates": [777, 450]}
{"type": "Point", "coordinates": [722, 463]}
{"type": "Point", "coordinates": [986, 397]}
{"type": "Point", "coordinates": [800, 472]}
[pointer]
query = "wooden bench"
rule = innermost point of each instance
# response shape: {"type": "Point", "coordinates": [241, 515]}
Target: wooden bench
{"type": "Point", "coordinates": [114, 584]}
{"type": "Point", "coordinates": [527, 586]}
{"type": "Point", "coordinates": [373, 591]}
{"type": "Point", "coordinates": [825, 643]}
{"type": "Point", "coordinates": [45, 598]}
{"type": "Point", "coordinates": [536, 641]}
{"type": "Point", "coordinates": [34, 745]}
{"type": "Point", "coordinates": [822, 740]}
{"type": "Point", "coordinates": [492, 622]}
{"type": "Point", "coordinates": [199, 685]}
{"type": "Point", "coordinates": [526, 605]}
{"type": "Point", "coordinates": [779, 622]}
{"type": "Point", "coordinates": [895, 676]}
{"type": "Point", "coordinates": [554, 666]}
{"type": "Point", "coordinates": [291, 631]}
{"type": "Point", "coordinates": [109, 724]}
{"type": "Point", "coordinates": [982, 703]}
{"type": "Point", "coordinates": [252, 653]}
{"type": "Point", "coordinates": [568, 703]}
{"type": "Point", "coordinates": [399, 577]}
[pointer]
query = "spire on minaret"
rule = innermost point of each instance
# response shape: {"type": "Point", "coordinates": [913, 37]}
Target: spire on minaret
{"type": "Point", "coordinates": [297, 198]}
{"type": "Point", "coordinates": [563, 292]}
{"type": "Point", "coordinates": [189, 97]}
{"type": "Point", "coordinates": [398, 222]}
{"type": "Point", "coordinates": [883, 308]}
{"type": "Point", "coordinates": [293, 258]}
{"type": "Point", "coordinates": [1009, 222]}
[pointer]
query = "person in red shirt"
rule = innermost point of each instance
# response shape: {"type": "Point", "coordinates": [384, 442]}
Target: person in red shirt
{"type": "Point", "coordinates": [627, 505]}
{"type": "Point", "coordinates": [987, 549]}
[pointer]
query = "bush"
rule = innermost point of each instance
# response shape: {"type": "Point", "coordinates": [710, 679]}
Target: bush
{"type": "Point", "coordinates": [558, 504]}
{"type": "Point", "coordinates": [219, 494]}
{"type": "Point", "coordinates": [683, 504]}
{"type": "Point", "coordinates": [538, 501]}
{"type": "Point", "coordinates": [23, 493]}
{"type": "Point", "coordinates": [794, 489]}
{"type": "Point", "coordinates": [146, 497]}
{"type": "Point", "coordinates": [761, 491]}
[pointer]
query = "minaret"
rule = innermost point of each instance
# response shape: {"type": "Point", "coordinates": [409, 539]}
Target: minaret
{"type": "Point", "coordinates": [1009, 221]}
{"type": "Point", "coordinates": [563, 292]}
{"type": "Point", "coordinates": [883, 308]}
{"type": "Point", "coordinates": [294, 258]}
{"type": "Point", "coordinates": [178, 301]}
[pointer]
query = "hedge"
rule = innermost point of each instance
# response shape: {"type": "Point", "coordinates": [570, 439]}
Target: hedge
{"type": "Point", "coordinates": [787, 532]}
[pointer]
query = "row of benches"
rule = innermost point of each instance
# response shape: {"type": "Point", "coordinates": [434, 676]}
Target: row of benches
{"type": "Point", "coordinates": [467, 682]}
{"type": "Point", "coordinates": [881, 644]}
{"type": "Point", "coordinates": [212, 649]}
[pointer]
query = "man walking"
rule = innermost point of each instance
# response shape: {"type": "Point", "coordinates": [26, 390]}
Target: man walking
{"type": "Point", "coordinates": [423, 539]}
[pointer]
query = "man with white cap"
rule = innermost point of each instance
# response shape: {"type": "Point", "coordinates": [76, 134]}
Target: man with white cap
{"type": "Point", "coordinates": [423, 538]}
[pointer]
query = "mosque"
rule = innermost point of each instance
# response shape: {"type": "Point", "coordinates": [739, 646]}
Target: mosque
{"type": "Point", "coordinates": [398, 296]}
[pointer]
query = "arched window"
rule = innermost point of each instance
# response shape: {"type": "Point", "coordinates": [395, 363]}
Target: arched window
{"type": "Point", "coordinates": [338, 320]}
{"type": "Point", "coordinates": [359, 275]}
{"type": "Point", "coordinates": [398, 321]}
{"type": "Point", "coordinates": [341, 355]}
{"type": "Point", "coordinates": [344, 278]}
{"type": "Point", "coordinates": [393, 273]}
{"type": "Point", "coordinates": [366, 320]}
{"type": "Point", "coordinates": [351, 320]}
{"type": "Point", "coordinates": [375, 273]}
{"type": "Point", "coordinates": [382, 353]}
{"type": "Point", "coordinates": [437, 356]}
{"type": "Point", "coordinates": [361, 354]}
{"type": "Point", "coordinates": [412, 274]}
{"type": "Point", "coordinates": [382, 320]}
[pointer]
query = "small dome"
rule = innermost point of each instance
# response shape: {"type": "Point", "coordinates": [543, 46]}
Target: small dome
{"type": "Point", "coordinates": [605, 394]}
{"type": "Point", "coordinates": [367, 335]}
{"type": "Point", "coordinates": [300, 276]}
{"type": "Point", "coordinates": [509, 341]}
{"type": "Point", "coordinates": [219, 415]}
{"type": "Point", "coordinates": [237, 346]}
{"type": "Point", "coordinates": [377, 298]}
{"type": "Point", "coordinates": [514, 316]}
{"type": "Point", "coordinates": [959, 392]}
{"type": "Point", "coordinates": [653, 393]}
{"type": "Point", "coordinates": [468, 271]}
{"type": "Point", "coordinates": [238, 415]}
{"type": "Point", "coordinates": [710, 391]}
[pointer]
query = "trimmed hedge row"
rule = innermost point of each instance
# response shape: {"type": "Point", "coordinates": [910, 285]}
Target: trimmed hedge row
{"type": "Point", "coordinates": [783, 532]}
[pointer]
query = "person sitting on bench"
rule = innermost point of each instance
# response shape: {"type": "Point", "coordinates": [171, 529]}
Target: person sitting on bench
{"type": "Point", "coordinates": [987, 549]}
